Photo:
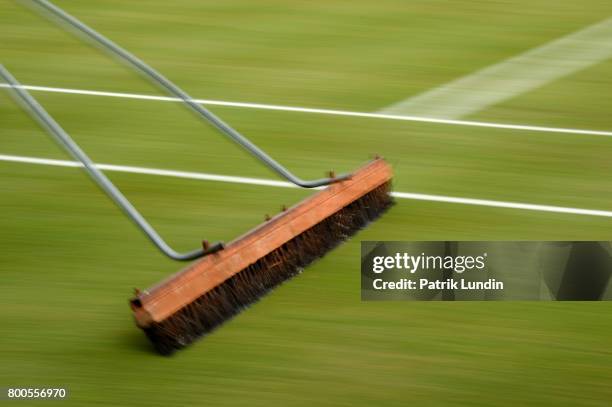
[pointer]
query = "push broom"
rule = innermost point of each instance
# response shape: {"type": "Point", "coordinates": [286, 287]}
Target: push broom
{"type": "Point", "coordinates": [227, 277]}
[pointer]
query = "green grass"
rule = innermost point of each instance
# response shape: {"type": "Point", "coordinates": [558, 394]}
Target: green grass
{"type": "Point", "coordinates": [69, 259]}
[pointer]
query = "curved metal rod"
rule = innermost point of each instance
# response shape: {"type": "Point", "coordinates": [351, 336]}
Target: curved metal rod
{"type": "Point", "coordinates": [60, 135]}
{"type": "Point", "coordinates": [174, 90]}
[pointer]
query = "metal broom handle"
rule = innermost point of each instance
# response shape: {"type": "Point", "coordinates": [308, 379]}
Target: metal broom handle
{"type": "Point", "coordinates": [174, 90]}
{"type": "Point", "coordinates": [60, 135]}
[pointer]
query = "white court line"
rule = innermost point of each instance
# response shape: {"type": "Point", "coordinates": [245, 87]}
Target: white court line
{"type": "Point", "coordinates": [513, 76]}
{"type": "Point", "coordinates": [207, 102]}
{"type": "Point", "coordinates": [150, 171]}
{"type": "Point", "coordinates": [266, 182]}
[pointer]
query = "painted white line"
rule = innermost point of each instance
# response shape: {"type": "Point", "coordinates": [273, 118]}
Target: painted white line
{"type": "Point", "coordinates": [150, 171]}
{"type": "Point", "coordinates": [272, 183]}
{"type": "Point", "coordinates": [383, 116]}
{"type": "Point", "coordinates": [514, 76]}
{"type": "Point", "coordinates": [501, 204]}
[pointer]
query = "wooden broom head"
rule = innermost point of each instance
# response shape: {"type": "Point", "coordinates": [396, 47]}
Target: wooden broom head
{"type": "Point", "coordinates": [216, 286]}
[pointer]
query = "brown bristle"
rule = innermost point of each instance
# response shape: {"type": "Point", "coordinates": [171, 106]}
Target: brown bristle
{"type": "Point", "coordinates": [234, 294]}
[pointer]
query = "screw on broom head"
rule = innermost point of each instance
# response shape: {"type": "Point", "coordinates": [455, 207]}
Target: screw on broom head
{"type": "Point", "coordinates": [213, 289]}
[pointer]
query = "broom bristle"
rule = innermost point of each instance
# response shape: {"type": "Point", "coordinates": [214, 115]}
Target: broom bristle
{"type": "Point", "coordinates": [247, 286]}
